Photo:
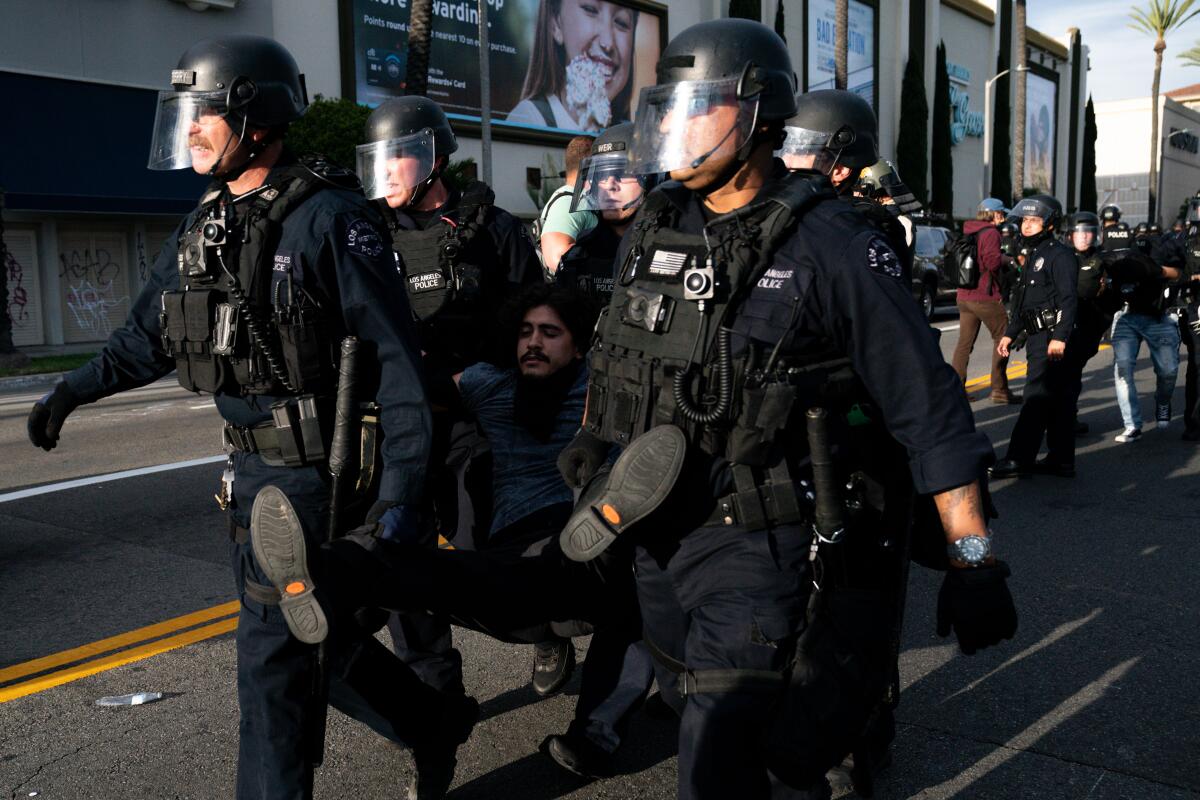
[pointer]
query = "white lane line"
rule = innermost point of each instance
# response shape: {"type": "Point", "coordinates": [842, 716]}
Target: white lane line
{"type": "Point", "coordinates": [112, 476]}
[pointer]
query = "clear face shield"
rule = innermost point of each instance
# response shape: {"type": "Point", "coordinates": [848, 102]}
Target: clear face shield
{"type": "Point", "coordinates": [396, 167]}
{"type": "Point", "coordinates": [607, 186]}
{"type": "Point", "coordinates": [801, 143]}
{"type": "Point", "coordinates": [681, 125]}
{"type": "Point", "coordinates": [187, 125]}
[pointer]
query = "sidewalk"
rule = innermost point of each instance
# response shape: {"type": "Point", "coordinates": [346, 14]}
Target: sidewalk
{"type": "Point", "coordinates": [45, 379]}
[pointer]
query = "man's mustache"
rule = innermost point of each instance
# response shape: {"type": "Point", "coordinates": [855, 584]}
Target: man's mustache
{"type": "Point", "coordinates": [534, 355]}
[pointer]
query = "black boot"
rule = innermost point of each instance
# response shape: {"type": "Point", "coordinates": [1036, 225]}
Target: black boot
{"type": "Point", "coordinates": [553, 663]}
{"type": "Point", "coordinates": [437, 758]}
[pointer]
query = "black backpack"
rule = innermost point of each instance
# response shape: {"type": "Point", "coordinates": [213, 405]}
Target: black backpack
{"type": "Point", "coordinates": [962, 262]}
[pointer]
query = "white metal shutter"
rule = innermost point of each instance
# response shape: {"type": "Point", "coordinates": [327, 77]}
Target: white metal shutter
{"type": "Point", "coordinates": [93, 270]}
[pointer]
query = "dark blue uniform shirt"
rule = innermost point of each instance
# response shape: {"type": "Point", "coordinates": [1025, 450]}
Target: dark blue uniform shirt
{"type": "Point", "coordinates": [336, 238]}
{"type": "Point", "coordinates": [1049, 279]}
{"type": "Point", "coordinates": [836, 282]}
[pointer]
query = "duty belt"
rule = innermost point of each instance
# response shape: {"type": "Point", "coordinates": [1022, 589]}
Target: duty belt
{"type": "Point", "coordinates": [756, 505]}
{"type": "Point", "coordinates": [293, 437]}
{"type": "Point", "coordinates": [1042, 319]}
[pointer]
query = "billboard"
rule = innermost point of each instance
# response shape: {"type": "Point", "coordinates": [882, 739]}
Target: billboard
{"type": "Point", "coordinates": [556, 65]}
{"type": "Point", "coordinates": [1041, 104]}
{"type": "Point", "coordinates": [860, 47]}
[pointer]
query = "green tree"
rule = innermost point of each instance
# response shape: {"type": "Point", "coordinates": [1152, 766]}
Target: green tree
{"type": "Point", "coordinates": [332, 128]}
{"type": "Point", "coordinates": [420, 31]}
{"type": "Point", "coordinates": [912, 145]}
{"type": "Point", "coordinates": [746, 9]}
{"type": "Point", "coordinates": [1087, 191]}
{"type": "Point", "coordinates": [942, 163]}
{"type": "Point", "coordinates": [1191, 56]}
{"type": "Point", "coordinates": [779, 24]}
{"type": "Point", "coordinates": [1002, 186]}
{"type": "Point", "coordinates": [1158, 18]}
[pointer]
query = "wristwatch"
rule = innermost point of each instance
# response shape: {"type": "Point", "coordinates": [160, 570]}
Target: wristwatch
{"type": "Point", "coordinates": [970, 550]}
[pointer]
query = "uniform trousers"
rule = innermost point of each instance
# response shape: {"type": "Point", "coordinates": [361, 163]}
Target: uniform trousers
{"type": "Point", "coordinates": [1191, 344]}
{"type": "Point", "coordinates": [275, 671]}
{"type": "Point", "coordinates": [1049, 408]}
{"type": "Point", "coordinates": [1090, 326]}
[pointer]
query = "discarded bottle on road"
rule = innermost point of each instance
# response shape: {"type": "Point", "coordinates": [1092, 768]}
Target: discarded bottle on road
{"type": "Point", "coordinates": [130, 699]}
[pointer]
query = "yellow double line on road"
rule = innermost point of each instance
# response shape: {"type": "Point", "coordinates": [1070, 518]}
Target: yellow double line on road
{"type": "Point", "coordinates": [80, 662]}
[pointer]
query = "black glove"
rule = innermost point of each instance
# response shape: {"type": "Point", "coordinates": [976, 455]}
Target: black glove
{"type": "Point", "coordinates": [403, 524]}
{"type": "Point", "coordinates": [580, 460]}
{"type": "Point", "coordinates": [975, 602]}
{"type": "Point", "coordinates": [48, 415]}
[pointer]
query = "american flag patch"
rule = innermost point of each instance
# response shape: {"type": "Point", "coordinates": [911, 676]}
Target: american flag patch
{"type": "Point", "coordinates": [667, 262]}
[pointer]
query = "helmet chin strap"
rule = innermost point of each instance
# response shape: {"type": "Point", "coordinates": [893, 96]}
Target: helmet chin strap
{"type": "Point", "coordinates": [253, 151]}
{"type": "Point", "coordinates": [424, 186]}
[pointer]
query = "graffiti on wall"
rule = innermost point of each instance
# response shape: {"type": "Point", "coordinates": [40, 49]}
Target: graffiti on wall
{"type": "Point", "coordinates": [90, 280]}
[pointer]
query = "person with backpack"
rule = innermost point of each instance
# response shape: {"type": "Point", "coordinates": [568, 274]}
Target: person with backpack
{"type": "Point", "coordinates": [980, 296]}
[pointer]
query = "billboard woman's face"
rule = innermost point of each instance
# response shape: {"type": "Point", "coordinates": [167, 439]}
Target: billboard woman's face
{"type": "Point", "coordinates": [600, 31]}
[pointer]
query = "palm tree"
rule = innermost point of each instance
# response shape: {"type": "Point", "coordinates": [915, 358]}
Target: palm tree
{"type": "Point", "coordinates": [420, 21]}
{"type": "Point", "coordinates": [1018, 184]}
{"type": "Point", "coordinates": [1191, 57]}
{"type": "Point", "coordinates": [1157, 19]}
{"type": "Point", "coordinates": [841, 34]}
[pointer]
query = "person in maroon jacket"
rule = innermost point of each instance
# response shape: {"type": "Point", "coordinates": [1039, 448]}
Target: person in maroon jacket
{"type": "Point", "coordinates": [983, 304]}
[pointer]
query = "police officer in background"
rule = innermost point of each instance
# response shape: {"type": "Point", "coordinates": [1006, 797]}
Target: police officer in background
{"type": "Point", "coordinates": [263, 340]}
{"type": "Point", "coordinates": [607, 188]}
{"type": "Point", "coordinates": [461, 257]}
{"type": "Point", "coordinates": [1115, 234]}
{"type": "Point", "coordinates": [881, 183]}
{"type": "Point", "coordinates": [1093, 316]}
{"type": "Point", "coordinates": [1044, 307]}
{"type": "Point", "coordinates": [1143, 242]}
{"type": "Point", "coordinates": [1182, 251]}
{"type": "Point", "coordinates": [855, 124]}
{"type": "Point", "coordinates": [747, 295]}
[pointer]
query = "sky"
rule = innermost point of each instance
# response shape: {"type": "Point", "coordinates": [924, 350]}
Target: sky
{"type": "Point", "coordinates": [1122, 58]}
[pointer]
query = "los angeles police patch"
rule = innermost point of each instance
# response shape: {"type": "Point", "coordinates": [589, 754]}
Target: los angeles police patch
{"type": "Point", "coordinates": [882, 259]}
{"type": "Point", "coordinates": [362, 238]}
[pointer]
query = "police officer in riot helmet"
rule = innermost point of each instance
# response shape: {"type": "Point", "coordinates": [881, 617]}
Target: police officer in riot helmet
{"type": "Point", "coordinates": [747, 296]}
{"type": "Point", "coordinates": [607, 187]}
{"type": "Point", "coordinates": [1181, 252]}
{"type": "Point", "coordinates": [1044, 308]}
{"type": "Point", "coordinates": [264, 341]}
{"type": "Point", "coordinates": [461, 257]}
{"type": "Point", "coordinates": [1141, 238]}
{"type": "Point", "coordinates": [1115, 234]}
{"type": "Point", "coordinates": [460, 253]}
{"type": "Point", "coordinates": [851, 122]}
{"type": "Point", "coordinates": [1094, 315]}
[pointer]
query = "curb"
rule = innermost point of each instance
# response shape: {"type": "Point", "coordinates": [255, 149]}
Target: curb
{"type": "Point", "coordinates": [30, 381]}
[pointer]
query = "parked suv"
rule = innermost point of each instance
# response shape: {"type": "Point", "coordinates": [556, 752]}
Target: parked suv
{"type": "Point", "coordinates": [929, 283]}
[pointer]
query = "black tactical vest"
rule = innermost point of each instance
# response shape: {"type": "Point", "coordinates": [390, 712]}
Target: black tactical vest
{"type": "Point", "coordinates": [662, 352]}
{"type": "Point", "coordinates": [435, 276]}
{"type": "Point", "coordinates": [1117, 237]}
{"type": "Point", "coordinates": [1091, 273]}
{"type": "Point", "coordinates": [223, 327]}
{"type": "Point", "coordinates": [1192, 251]}
{"type": "Point", "coordinates": [589, 264]}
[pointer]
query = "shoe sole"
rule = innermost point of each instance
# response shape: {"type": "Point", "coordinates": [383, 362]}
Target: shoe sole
{"type": "Point", "coordinates": [640, 481]}
{"type": "Point", "coordinates": [277, 538]}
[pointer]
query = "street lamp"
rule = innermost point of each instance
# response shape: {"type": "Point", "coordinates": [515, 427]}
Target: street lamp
{"type": "Point", "coordinates": [987, 125]}
{"type": "Point", "coordinates": [1162, 155]}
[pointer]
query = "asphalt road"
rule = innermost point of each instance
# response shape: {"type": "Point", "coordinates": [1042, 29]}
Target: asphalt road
{"type": "Point", "coordinates": [1095, 698]}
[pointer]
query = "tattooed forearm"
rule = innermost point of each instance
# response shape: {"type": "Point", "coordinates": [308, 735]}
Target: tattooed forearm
{"type": "Point", "coordinates": [961, 510]}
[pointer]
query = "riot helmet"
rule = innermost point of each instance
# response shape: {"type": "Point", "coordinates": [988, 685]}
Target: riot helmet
{"type": "Point", "coordinates": [1110, 214]}
{"type": "Point", "coordinates": [1043, 206]}
{"type": "Point", "coordinates": [605, 184]}
{"type": "Point", "coordinates": [1083, 224]}
{"type": "Point", "coordinates": [1009, 229]}
{"type": "Point", "coordinates": [835, 126]}
{"type": "Point", "coordinates": [881, 181]}
{"type": "Point", "coordinates": [247, 82]}
{"type": "Point", "coordinates": [1155, 229]}
{"type": "Point", "coordinates": [991, 205]}
{"type": "Point", "coordinates": [716, 81]}
{"type": "Point", "coordinates": [408, 142]}
{"type": "Point", "coordinates": [1141, 229]}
